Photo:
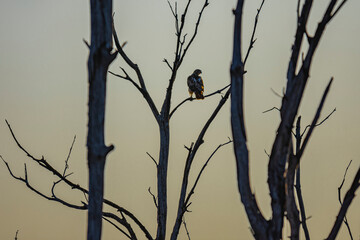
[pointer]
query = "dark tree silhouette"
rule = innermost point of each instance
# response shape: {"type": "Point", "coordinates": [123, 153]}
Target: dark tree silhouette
{"type": "Point", "coordinates": [283, 162]}
{"type": "Point", "coordinates": [283, 167]}
{"type": "Point", "coordinates": [100, 57]}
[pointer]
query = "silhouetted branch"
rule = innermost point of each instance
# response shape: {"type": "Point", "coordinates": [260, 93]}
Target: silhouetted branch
{"type": "Point", "coordinates": [269, 110]}
{"type": "Point", "coordinates": [252, 40]}
{"type": "Point", "coordinates": [340, 6]}
{"type": "Point", "coordinates": [152, 158]}
{"type": "Point", "coordinates": [25, 180]}
{"type": "Point", "coordinates": [142, 87]}
{"type": "Point", "coordinates": [153, 197]}
{"type": "Point", "coordinates": [127, 77]}
{"type": "Point", "coordinates": [318, 124]}
{"type": "Point", "coordinates": [172, 10]}
{"type": "Point", "coordinates": [350, 194]}
{"type": "Point", "coordinates": [16, 234]}
{"type": "Point", "coordinates": [179, 56]}
{"type": "Point", "coordinates": [206, 3]}
{"type": "Point", "coordinates": [298, 137]}
{"type": "Point", "coordinates": [43, 163]}
{"type": "Point", "coordinates": [167, 63]}
{"type": "Point", "coordinates": [291, 208]}
{"type": "Point", "coordinates": [192, 191]}
{"type": "Point", "coordinates": [182, 206]}
{"type": "Point", "coordinates": [257, 221]}
{"type": "Point", "coordinates": [123, 222]}
{"type": "Point", "coordinates": [117, 227]}
{"type": "Point", "coordinates": [317, 115]}
{"type": "Point", "coordinates": [68, 157]}
{"type": "Point", "coordinates": [191, 99]}
{"type": "Point", "coordinates": [339, 196]}
{"type": "Point", "coordinates": [186, 229]}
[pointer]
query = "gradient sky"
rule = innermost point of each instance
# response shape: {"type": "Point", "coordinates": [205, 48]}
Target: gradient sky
{"type": "Point", "coordinates": [43, 94]}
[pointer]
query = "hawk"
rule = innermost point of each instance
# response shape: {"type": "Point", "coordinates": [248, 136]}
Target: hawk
{"type": "Point", "coordinates": [196, 84]}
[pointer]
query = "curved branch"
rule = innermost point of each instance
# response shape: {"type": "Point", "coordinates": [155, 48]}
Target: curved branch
{"type": "Point", "coordinates": [191, 99]}
{"type": "Point", "coordinates": [43, 163]}
{"type": "Point", "coordinates": [192, 191]}
{"type": "Point", "coordinates": [123, 222]}
{"type": "Point", "coordinates": [258, 223]}
{"type": "Point", "coordinates": [192, 152]}
{"type": "Point", "coordinates": [135, 67]}
{"type": "Point", "coordinates": [127, 77]}
{"type": "Point", "coordinates": [25, 180]}
{"type": "Point", "coordinates": [318, 124]}
{"type": "Point", "coordinates": [117, 227]}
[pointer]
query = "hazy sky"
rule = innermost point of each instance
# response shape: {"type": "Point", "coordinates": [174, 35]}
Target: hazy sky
{"type": "Point", "coordinates": [43, 94]}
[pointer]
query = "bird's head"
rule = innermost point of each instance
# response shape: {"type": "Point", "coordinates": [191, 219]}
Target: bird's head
{"type": "Point", "coordinates": [197, 72]}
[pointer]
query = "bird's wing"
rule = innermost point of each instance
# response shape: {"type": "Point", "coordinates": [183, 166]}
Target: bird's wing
{"type": "Point", "coordinates": [191, 83]}
{"type": "Point", "coordinates": [199, 84]}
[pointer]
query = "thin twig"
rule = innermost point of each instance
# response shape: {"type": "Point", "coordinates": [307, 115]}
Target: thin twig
{"type": "Point", "coordinates": [206, 3]}
{"type": "Point", "coordinates": [16, 234]}
{"type": "Point", "coordinates": [153, 197]}
{"type": "Point", "coordinates": [276, 94]}
{"type": "Point", "coordinates": [25, 180]}
{"type": "Point", "coordinates": [68, 157]}
{"type": "Point", "coordinates": [252, 40]}
{"type": "Point", "coordinates": [186, 229]}
{"type": "Point", "coordinates": [339, 196]}
{"type": "Point", "coordinates": [152, 158]}
{"type": "Point", "coordinates": [43, 163]}
{"type": "Point", "coordinates": [127, 77]}
{"type": "Point", "coordinates": [318, 124]}
{"type": "Point", "coordinates": [117, 227]}
{"type": "Point", "coordinates": [192, 191]}
{"type": "Point", "coordinates": [167, 63]}
{"type": "Point", "coordinates": [123, 222]}
{"type": "Point", "coordinates": [317, 115]}
{"type": "Point", "coordinates": [267, 154]}
{"type": "Point", "coordinates": [135, 67]}
{"type": "Point", "coordinates": [349, 196]}
{"type": "Point", "coordinates": [269, 110]}
{"type": "Point", "coordinates": [86, 43]}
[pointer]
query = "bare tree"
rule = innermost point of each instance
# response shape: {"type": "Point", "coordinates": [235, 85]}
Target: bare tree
{"type": "Point", "coordinates": [100, 57]}
{"type": "Point", "coordinates": [282, 159]}
{"type": "Point", "coordinates": [283, 162]}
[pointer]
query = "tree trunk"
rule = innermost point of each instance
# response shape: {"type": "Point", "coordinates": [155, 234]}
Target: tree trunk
{"type": "Point", "coordinates": [99, 60]}
{"type": "Point", "coordinates": [162, 178]}
{"type": "Point", "coordinates": [257, 221]}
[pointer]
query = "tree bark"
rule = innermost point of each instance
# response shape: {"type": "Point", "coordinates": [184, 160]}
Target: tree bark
{"type": "Point", "coordinates": [162, 178]}
{"type": "Point", "coordinates": [99, 60]}
{"type": "Point", "coordinates": [257, 221]}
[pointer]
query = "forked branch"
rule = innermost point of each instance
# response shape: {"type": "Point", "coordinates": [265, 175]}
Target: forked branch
{"type": "Point", "coordinates": [64, 178]}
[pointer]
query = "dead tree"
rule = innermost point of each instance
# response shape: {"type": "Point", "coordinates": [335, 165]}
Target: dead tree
{"type": "Point", "coordinates": [100, 57]}
{"type": "Point", "coordinates": [282, 160]}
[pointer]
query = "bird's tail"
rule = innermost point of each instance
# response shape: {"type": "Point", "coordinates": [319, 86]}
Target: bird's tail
{"type": "Point", "coordinates": [199, 95]}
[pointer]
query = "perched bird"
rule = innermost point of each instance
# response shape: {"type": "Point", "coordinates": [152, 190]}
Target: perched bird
{"type": "Point", "coordinates": [196, 84]}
